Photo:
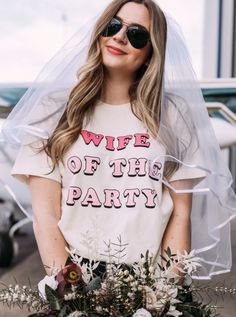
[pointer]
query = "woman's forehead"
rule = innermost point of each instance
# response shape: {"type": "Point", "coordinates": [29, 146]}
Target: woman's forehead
{"type": "Point", "coordinates": [135, 13]}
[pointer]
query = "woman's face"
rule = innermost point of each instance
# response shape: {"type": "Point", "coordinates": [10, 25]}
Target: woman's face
{"type": "Point", "coordinates": [117, 52]}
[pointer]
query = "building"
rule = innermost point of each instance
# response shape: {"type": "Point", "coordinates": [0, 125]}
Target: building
{"type": "Point", "coordinates": [219, 52]}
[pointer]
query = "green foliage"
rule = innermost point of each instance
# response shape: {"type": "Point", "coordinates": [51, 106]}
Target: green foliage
{"type": "Point", "coordinates": [53, 298]}
{"type": "Point", "coordinates": [68, 261]}
{"type": "Point", "coordinates": [63, 312]}
{"type": "Point", "coordinates": [94, 284]}
{"type": "Point", "coordinates": [126, 288]}
{"type": "Point", "coordinates": [185, 295]}
{"type": "Point", "coordinates": [195, 309]}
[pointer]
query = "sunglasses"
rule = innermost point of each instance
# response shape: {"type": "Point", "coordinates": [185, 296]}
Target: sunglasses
{"type": "Point", "coordinates": [137, 34]}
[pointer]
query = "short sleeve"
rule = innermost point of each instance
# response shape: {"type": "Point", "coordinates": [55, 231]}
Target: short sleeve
{"type": "Point", "coordinates": [193, 171]}
{"type": "Point", "coordinates": [184, 172]}
{"type": "Point", "coordinates": [31, 161]}
{"type": "Point", "coordinates": [182, 141]}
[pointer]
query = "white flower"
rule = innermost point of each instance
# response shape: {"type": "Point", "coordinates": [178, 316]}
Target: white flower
{"type": "Point", "coordinates": [175, 301]}
{"type": "Point", "coordinates": [17, 287]}
{"type": "Point", "coordinates": [34, 304]}
{"type": "Point", "coordinates": [173, 312]}
{"type": "Point", "coordinates": [48, 280]}
{"type": "Point", "coordinates": [163, 293]}
{"type": "Point", "coordinates": [151, 299]}
{"type": "Point", "coordinates": [76, 314]}
{"type": "Point", "coordinates": [189, 260]}
{"type": "Point", "coordinates": [15, 297]}
{"type": "Point", "coordinates": [22, 297]}
{"type": "Point", "coordinates": [142, 313]}
{"type": "Point", "coordinates": [99, 309]}
{"type": "Point", "coordinates": [69, 296]}
{"type": "Point", "coordinates": [165, 290]}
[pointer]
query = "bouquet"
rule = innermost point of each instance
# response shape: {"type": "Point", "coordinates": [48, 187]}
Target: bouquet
{"type": "Point", "coordinates": [138, 290]}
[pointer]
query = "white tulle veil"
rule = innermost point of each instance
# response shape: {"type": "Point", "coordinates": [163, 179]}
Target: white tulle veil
{"type": "Point", "coordinates": [185, 130]}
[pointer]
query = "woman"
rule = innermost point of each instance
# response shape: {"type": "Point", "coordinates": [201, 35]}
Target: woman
{"type": "Point", "coordinates": [116, 163]}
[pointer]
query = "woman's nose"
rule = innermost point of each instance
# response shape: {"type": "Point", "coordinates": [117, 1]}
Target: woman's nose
{"type": "Point", "coordinates": [121, 35]}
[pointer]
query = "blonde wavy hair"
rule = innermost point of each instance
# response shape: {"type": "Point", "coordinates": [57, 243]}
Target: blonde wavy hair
{"type": "Point", "coordinates": [145, 92]}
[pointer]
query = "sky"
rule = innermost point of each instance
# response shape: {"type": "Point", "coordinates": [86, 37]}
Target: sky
{"type": "Point", "coordinates": [31, 32]}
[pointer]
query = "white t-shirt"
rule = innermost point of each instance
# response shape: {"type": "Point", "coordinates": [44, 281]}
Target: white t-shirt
{"type": "Point", "coordinates": [109, 189]}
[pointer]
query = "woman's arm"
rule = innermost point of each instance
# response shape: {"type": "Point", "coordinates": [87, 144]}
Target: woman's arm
{"type": "Point", "coordinates": [46, 204]}
{"type": "Point", "coordinates": [177, 234]}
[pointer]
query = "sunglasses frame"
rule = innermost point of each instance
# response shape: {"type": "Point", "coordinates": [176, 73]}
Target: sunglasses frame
{"type": "Point", "coordinates": [129, 27]}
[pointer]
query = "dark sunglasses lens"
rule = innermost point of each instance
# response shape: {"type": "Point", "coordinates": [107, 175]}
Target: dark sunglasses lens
{"type": "Point", "coordinates": [112, 28]}
{"type": "Point", "coordinates": [138, 37]}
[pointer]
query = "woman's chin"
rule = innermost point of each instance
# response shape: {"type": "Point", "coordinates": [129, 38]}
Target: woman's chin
{"type": "Point", "coordinates": [118, 68]}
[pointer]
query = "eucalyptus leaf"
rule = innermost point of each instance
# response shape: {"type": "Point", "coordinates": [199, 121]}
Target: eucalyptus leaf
{"type": "Point", "coordinates": [68, 261]}
{"type": "Point", "coordinates": [168, 252]}
{"type": "Point", "coordinates": [52, 298]}
{"type": "Point", "coordinates": [187, 314]}
{"type": "Point", "coordinates": [94, 284]}
{"type": "Point", "coordinates": [63, 312]}
{"type": "Point", "coordinates": [163, 258]}
{"type": "Point", "coordinates": [94, 314]}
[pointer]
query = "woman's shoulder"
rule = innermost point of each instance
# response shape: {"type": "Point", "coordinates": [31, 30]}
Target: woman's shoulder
{"type": "Point", "coordinates": [175, 109]}
{"type": "Point", "coordinates": [56, 96]}
{"type": "Point", "coordinates": [173, 100]}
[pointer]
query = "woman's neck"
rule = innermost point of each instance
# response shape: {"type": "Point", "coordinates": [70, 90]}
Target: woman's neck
{"type": "Point", "coordinates": [116, 89]}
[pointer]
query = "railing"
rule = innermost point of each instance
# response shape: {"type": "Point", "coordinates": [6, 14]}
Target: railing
{"type": "Point", "coordinates": [230, 117]}
{"type": "Point", "coordinates": [223, 110]}
{"type": "Point", "coordinates": [5, 110]}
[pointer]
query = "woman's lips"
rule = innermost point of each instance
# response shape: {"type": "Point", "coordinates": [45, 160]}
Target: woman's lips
{"type": "Point", "coordinates": [115, 51]}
